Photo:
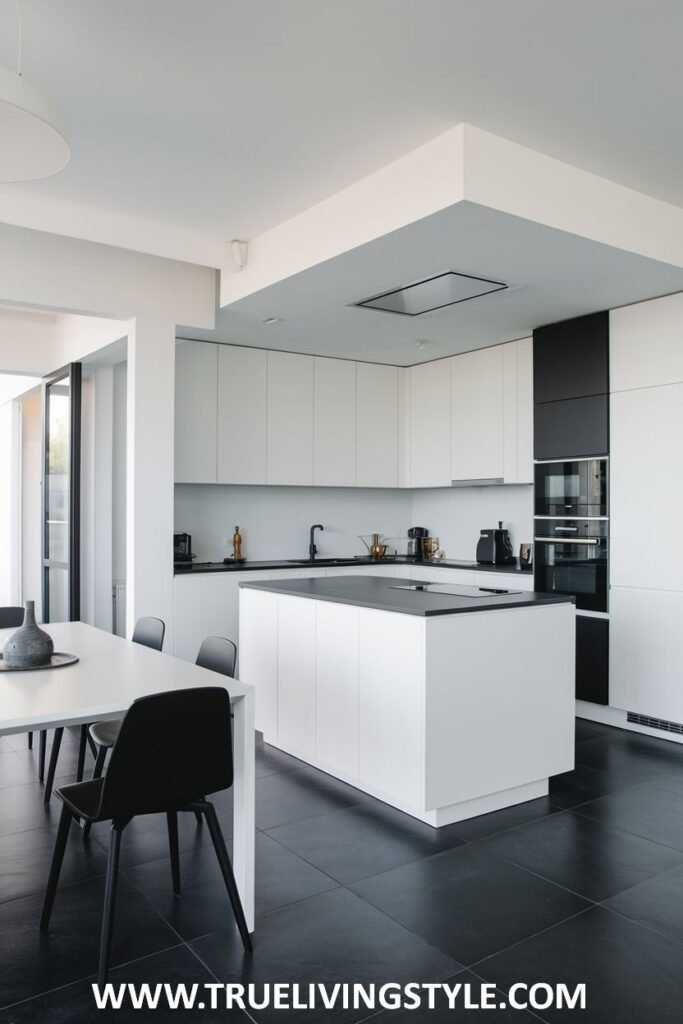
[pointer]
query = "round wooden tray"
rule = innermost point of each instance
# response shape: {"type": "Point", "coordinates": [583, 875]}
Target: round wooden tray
{"type": "Point", "coordinates": [58, 660]}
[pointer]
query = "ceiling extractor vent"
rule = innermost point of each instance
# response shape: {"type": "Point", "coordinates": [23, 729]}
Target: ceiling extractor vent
{"type": "Point", "coordinates": [433, 293]}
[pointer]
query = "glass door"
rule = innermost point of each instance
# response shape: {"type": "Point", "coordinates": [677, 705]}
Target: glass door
{"type": "Point", "coordinates": [61, 494]}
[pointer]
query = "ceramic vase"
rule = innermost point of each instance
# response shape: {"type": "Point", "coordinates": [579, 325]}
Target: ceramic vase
{"type": "Point", "coordinates": [29, 646]}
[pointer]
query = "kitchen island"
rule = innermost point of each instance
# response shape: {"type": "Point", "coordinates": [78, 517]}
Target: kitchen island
{"type": "Point", "coordinates": [443, 701]}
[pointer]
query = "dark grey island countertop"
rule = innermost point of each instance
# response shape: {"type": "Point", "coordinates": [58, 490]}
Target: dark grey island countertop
{"type": "Point", "coordinates": [387, 594]}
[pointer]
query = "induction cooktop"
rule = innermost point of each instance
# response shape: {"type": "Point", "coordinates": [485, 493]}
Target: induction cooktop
{"type": "Point", "coordinates": [452, 591]}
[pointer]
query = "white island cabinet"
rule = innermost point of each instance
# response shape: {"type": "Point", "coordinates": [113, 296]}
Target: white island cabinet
{"type": "Point", "coordinates": [444, 706]}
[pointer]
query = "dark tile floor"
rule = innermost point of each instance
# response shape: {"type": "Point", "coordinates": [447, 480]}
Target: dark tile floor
{"type": "Point", "coordinates": [583, 886]}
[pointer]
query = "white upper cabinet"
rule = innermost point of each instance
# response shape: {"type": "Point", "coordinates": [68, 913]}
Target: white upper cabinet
{"type": "Point", "coordinates": [334, 423]}
{"type": "Point", "coordinates": [242, 396]}
{"type": "Point", "coordinates": [290, 419]}
{"type": "Point", "coordinates": [646, 344]}
{"type": "Point", "coordinates": [376, 425]}
{"type": "Point", "coordinates": [429, 413]}
{"type": "Point", "coordinates": [195, 412]}
{"type": "Point", "coordinates": [477, 415]}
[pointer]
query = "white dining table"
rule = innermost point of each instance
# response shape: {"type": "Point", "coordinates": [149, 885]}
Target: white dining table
{"type": "Point", "coordinates": [110, 674]}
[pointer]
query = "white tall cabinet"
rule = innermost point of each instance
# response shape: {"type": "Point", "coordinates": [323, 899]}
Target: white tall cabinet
{"type": "Point", "coordinates": [646, 475]}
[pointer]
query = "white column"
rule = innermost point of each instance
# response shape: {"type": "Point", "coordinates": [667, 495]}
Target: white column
{"type": "Point", "coordinates": [149, 499]}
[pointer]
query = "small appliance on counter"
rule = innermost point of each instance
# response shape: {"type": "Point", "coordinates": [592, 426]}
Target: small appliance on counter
{"type": "Point", "coordinates": [416, 542]}
{"type": "Point", "coordinates": [494, 547]}
{"type": "Point", "coordinates": [182, 550]}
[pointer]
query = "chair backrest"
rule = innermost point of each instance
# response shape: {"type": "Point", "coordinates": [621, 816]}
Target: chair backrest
{"type": "Point", "coordinates": [149, 632]}
{"type": "Point", "coordinates": [218, 654]}
{"type": "Point", "coordinates": [173, 747]}
{"type": "Point", "coordinates": [11, 615]}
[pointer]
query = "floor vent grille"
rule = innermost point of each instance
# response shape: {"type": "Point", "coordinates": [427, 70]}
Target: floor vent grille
{"type": "Point", "coordinates": [655, 723]}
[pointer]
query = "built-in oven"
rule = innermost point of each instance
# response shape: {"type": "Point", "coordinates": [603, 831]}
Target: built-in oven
{"type": "Point", "coordinates": [571, 487]}
{"type": "Point", "coordinates": [571, 557]}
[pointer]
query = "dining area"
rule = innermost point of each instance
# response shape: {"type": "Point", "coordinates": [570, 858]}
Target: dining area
{"type": "Point", "coordinates": [126, 744]}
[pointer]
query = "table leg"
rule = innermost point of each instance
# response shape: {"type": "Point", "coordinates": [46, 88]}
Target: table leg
{"type": "Point", "coordinates": [244, 822]}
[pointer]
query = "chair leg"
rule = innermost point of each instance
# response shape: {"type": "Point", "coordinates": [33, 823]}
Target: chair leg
{"type": "Point", "coordinates": [30, 741]}
{"type": "Point", "coordinates": [57, 858]}
{"type": "Point", "coordinates": [109, 900]}
{"type": "Point", "coordinates": [91, 744]}
{"type": "Point", "coordinates": [198, 816]}
{"type": "Point", "coordinates": [54, 755]}
{"type": "Point", "coordinates": [226, 870]}
{"type": "Point", "coordinates": [172, 822]}
{"type": "Point", "coordinates": [81, 753]}
{"type": "Point", "coordinates": [99, 763]}
{"type": "Point", "coordinates": [41, 755]}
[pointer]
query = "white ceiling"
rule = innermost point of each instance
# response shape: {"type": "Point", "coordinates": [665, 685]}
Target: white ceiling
{"type": "Point", "coordinates": [228, 116]}
{"type": "Point", "coordinates": [553, 275]}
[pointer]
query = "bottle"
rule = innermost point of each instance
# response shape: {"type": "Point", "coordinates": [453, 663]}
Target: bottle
{"type": "Point", "coordinates": [237, 545]}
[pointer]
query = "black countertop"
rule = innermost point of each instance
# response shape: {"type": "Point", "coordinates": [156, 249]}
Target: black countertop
{"type": "Point", "coordinates": [341, 563]}
{"type": "Point", "coordinates": [381, 593]}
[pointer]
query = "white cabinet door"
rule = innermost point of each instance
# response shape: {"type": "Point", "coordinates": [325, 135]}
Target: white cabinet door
{"type": "Point", "coordinates": [376, 425]}
{"type": "Point", "coordinates": [646, 475]}
{"type": "Point", "coordinates": [477, 415]}
{"type": "Point", "coordinates": [220, 604]}
{"type": "Point", "coordinates": [187, 616]}
{"type": "Point", "coordinates": [334, 423]}
{"type": "Point", "coordinates": [296, 675]}
{"type": "Point", "coordinates": [525, 412]}
{"type": "Point", "coordinates": [430, 425]}
{"type": "Point", "coordinates": [337, 688]}
{"type": "Point", "coordinates": [196, 364]}
{"type": "Point", "coordinates": [258, 654]}
{"type": "Point", "coordinates": [242, 386]}
{"type": "Point", "coordinates": [646, 654]}
{"type": "Point", "coordinates": [290, 419]}
{"type": "Point", "coordinates": [646, 344]}
{"type": "Point", "coordinates": [391, 668]}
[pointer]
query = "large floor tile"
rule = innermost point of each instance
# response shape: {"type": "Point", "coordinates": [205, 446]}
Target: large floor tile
{"type": "Point", "coordinates": [75, 1003]}
{"type": "Point", "coordinates": [645, 810]}
{"type": "Point", "coordinates": [146, 837]}
{"type": "Point", "coordinates": [509, 817]}
{"type": "Point", "coordinates": [34, 963]}
{"type": "Point", "coordinates": [583, 784]}
{"type": "Point", "coordinates": [469, 903]}
{"type": "Point", "coordinates": [25, 860]}
{"type": "Point", "coordinates": [292, 796]}
{"type": "Point", "coordinates": [270, 761]}
{"type": "Point", "coordinates": [462, 1007]}
{"type": "Point", "coordinates": [657, 903]}
{"type": "Point", "coordinates": [363, 840]}
{"type": "Point", "coordinates": [586, 856]}
{"type": "Point", "coordinates": [631, 974]}
{"type": "Point", "coordinates": [335, 937]}
{"type": "Point", "coordinates": [281, 878]}
{"type": "Point", "coordinates": [22, 809]}
{"type": "Point", "coordinates": [631, 755]}
{"type": "Point", "coordinates": [585, 729]}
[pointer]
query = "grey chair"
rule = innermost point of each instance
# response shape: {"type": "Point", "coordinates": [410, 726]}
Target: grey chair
{"type": "Point", "coordinates": [12, 616]}
{"type": "Point", "coordinates": [150, 633]}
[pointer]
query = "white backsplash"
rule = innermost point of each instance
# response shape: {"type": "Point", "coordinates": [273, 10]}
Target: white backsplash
{"type": "Point", "coordinates": [275, 520]}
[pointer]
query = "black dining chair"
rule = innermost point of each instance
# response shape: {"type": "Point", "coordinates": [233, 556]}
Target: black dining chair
{"type": "Point", "coordinates": [216, 653]}
{"type": "Point", "coordinates": [12, 616]}
{"type": "Point", "coordinates": [150, 633]}
{"type": "Point", "coordinates": [191, 757]}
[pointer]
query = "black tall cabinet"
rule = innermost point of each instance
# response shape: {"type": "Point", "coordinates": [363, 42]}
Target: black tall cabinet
{"type": "Point", "coordinates": [571, 421]}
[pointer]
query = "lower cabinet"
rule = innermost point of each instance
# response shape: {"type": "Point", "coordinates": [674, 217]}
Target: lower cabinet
{"type": "Point", "coordinates": [592, 659]}
{"type": "Point", "coordinates": [336, 725]}
{"type": "Point", "coordinates": [296, 713]}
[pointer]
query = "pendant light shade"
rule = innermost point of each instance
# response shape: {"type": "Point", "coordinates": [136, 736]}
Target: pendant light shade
{"type": "Point", "coordinates": [33, 133]}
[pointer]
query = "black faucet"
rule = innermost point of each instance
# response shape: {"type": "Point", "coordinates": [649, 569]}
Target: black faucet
{"type": "Point", "coordinates": [312, 549]}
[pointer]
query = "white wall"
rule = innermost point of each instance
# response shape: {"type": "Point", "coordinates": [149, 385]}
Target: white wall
{"type": "Point", "coordinates": [10, 503]}
{"type": "Point", "coordinates": [119, 474]}
{"type": "Point", "coordinates": [275, 520]}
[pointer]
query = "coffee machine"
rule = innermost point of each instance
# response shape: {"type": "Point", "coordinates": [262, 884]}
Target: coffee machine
{"type": "Point", "coordinates": [416, 538]}
{"type": "Point", "coordinates": [494, 547]}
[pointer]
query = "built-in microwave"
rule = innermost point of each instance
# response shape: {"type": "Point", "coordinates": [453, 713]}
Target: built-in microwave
{"type": "Point", "coordinates": [571, 488]}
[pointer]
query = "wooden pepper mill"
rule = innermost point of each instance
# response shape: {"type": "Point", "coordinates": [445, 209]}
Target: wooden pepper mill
{"type": "Point", "coordinates": [237, 545]}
